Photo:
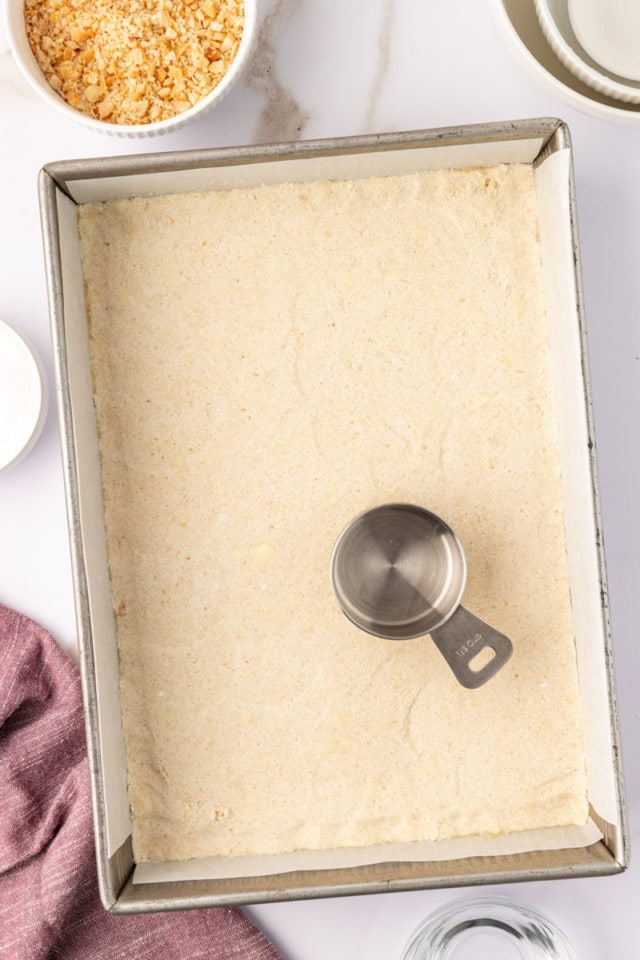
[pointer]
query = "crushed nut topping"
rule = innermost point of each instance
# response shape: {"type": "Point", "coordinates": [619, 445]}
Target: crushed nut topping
{"type": "Point", "coordinates": [134, 61]}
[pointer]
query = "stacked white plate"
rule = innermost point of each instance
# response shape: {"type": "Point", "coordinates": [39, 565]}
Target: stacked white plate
{"type": "Point", "coordinates": [585, 51]}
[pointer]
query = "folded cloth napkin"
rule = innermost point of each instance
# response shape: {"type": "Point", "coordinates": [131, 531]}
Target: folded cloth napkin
{"type": "Point", "coordinates": [49, 905]}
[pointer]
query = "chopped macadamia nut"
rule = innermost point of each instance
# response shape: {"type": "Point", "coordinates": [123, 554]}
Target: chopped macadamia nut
{"type": "Point", "coordinates": [134, 61]}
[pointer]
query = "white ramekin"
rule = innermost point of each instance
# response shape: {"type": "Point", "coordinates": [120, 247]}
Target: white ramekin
{"type": "Point", "coordinates": [610, 33]}
{"type": "Point", "coordinates": [556, 25]}
{"type": "Point", "coordinates": [520, 28]}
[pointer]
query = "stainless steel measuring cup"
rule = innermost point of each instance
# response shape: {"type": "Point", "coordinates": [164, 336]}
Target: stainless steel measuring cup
{"type": "Point", "coordinates": [398, 571]}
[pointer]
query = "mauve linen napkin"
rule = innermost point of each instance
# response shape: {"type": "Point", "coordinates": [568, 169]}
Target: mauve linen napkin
{"type": "Point", "coordinates": [49, 906]}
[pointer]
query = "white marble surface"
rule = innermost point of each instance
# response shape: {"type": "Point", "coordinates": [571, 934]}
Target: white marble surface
{"type": "Point", "coordinates": [325, 69]}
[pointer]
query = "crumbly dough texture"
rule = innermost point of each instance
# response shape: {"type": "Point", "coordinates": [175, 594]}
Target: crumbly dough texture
{"type": "Point", "coordinates": [134, 61]}
{"type": "Point", "coordinates": [268, 362]}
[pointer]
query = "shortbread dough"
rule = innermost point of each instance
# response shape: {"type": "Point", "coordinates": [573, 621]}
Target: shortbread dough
{"type": "Point", "coordinates": [268, 362]}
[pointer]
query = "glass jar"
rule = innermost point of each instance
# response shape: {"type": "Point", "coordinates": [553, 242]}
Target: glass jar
{"type": "Point", "coordinates": [513, 929]}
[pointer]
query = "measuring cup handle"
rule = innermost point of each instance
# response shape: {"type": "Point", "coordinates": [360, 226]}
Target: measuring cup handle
{"type": "Point", "coordinates": [461, 639]}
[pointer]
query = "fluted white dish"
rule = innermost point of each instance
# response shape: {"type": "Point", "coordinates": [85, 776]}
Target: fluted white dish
{"type": "Point", "coordinates": [19, 44]}
{"type": "Point", "coordinates": [609, 30]}
{"type": "Point", "coordinates": [520, 28]}
{"type": "Point", "coordinates": [557, 27]}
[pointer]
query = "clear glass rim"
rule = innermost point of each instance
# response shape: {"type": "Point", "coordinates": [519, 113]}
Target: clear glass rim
{"type": "Point", "coordinates": [535, 936]}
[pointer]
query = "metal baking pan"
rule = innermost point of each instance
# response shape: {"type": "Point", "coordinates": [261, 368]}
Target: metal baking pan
{"type": "Point", "coordinates": [545, 144]}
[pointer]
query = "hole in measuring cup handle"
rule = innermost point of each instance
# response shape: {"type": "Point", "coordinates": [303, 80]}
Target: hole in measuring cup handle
{"type": "Point", "coordinates": [481, 659]}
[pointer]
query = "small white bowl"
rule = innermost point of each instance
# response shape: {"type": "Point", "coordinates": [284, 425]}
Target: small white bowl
{"type": "Point", "coordinates": [609, 30]}
{"type": "Point", "coordinates": [520, 28]}
{"type": "Point", "coordinates": [556, 24]}
{"type": "Point", "coordinates": [19, 43]}
{"type": "Point", "coordinates": [23, 397]}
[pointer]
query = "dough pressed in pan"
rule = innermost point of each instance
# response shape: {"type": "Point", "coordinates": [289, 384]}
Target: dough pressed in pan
{"type": "Point", "coordinates": [268, 362]}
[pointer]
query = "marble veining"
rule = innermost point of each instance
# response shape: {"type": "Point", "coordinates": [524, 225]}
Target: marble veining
{"type": "Point", "coordinates": [282, 117]}
{"type": "Point", "coordinates": [383, 62]}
